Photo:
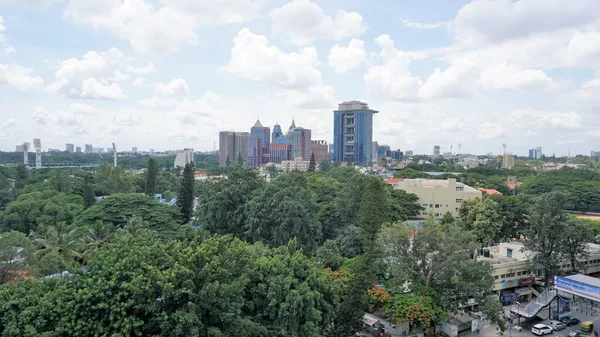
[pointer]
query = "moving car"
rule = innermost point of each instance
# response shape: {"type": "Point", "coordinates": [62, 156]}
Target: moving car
{"type": "Point", "coordinates": [541, 329]}
{"type": "Point", "coordinates": [570, 321]}
{"type": "Point", "coordinates": [557, 325]}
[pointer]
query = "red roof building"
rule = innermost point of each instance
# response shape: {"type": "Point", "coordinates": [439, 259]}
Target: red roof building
{"type": "Point", "coordinates": [489, 191]}
{"type": "Point", "coordinates": [393, 181]}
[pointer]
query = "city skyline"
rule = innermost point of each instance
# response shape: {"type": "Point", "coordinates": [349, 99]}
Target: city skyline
{"type": "Point", "coordinates": [169, 82]}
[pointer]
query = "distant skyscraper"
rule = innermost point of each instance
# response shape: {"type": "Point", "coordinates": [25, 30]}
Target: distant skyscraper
{"type": "Point", "coordinates": [258, 147]}
{"type": "Point", "coordinates": [375, 157]}
{"type": "Point", "coordinates": [78, 149]}
{"type": "Point", "coordinates": [184, 157]}
{"type": "Point", "coordinates": [353, 133]}
{"type": "Point", "coordinates": [436, 151]}
{"type": "Point", "coordinates": [535, 153]}
{"type": "Point", "coordinates": [232, 145]}
{"type": "Point", "coordinates": [299, 138]}
{"type": "Point", "coordinates": [321, 151]}
{"type": "Point", "coordinates": [408, 153]}
{"type": "Point", "coordinates": [279, 152]}
{"type": "Point", "coordinates": [89, 148]}
{"type": "Point", "coordinates": [382, 150]}
{"type": "Point", "coordinates": [70, 148]}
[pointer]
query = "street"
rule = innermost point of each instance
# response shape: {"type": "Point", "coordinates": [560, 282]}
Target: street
{"type": "Point", "coordinates": [577, 312]}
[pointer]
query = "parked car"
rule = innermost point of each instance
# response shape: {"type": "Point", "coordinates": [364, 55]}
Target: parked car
{"type": "Point", "coordinates": [557, 325]}
{"type": "Point", "coordinates": [517, 328]}
{"type": "Point", "coordinates": [570, 321]}
{"type": "Point", "coordinates": [574, 333]}
{"type": "Point", "coordinates": [541, 329]}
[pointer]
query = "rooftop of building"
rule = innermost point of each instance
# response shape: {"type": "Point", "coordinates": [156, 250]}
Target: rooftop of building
{"type": "Point", "coordinates": [489, 191]}
{"type": "Point", "coordinates": [354, 105]}
{"type": "Point", "coordinates": [498, 254]}
{"type": "Point", "coordinates": [436, 183]}
{"type": "Point", "coordinates": [394, 180]}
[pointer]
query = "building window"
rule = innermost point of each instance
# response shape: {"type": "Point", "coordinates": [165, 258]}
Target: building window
{"type": "Point", "coordinates": [459, 201]}
{"type": "Point", "coordinates": [431, 205]}
{"type": "Point", "coordinates": [437, 205]}
{"type": "Point", "coordinates": [496, 277]}
{"type": "Point", "coordinates": [460, 188]}
{"type": "Point", "coordinates": [425, 205]}
{"type": "Point", "coordinates": [508, 252]}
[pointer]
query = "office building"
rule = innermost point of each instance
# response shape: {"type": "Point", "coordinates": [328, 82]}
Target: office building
{"type": "Point", "coordinates": [436, 151]}
{"type": "Point", "coordinates": [353, 133]}
{"type": "Point", "coordinates": [396, 154]}
{"type": "Point", "coordinates": [232, 145]}
{"type": "Point", "coordinates": [298, 164]}
{"type": "Point", "coordinates": [535, 153]}
{"type": "Point", "coordinates": [508, 161]}
{"type": "Point", "coordinates": [70, 148]}
{"type": "Point", "coordinates": [408, 153]}
{"type": "Point", "coordinates": [595, 154]}
{"type": "Point", "coordinates": [258, 147]}
{"type": "Point", "coordinates": [184, 157]}
{"type": "Point", "coordinates": [382, 150]}
{"type": "Point", "coordinates": [78, 149]}
{"type": "Point", "coordinates": [89, 148]}
{"type": "Point", "coordinates": [375, 157]}
{"type": "Point", "coordinates": [279, 152]}
{"type": "Point", "coordinates": [438, 196]}
{"type": "Point", "coordinates": [299, 139]}
{"type": "Point", "coordinates": [134, 149]}
{"type": "Point", "coordinates": [320, 149]}
{"type": "Point", "coordinates": [97, 150]}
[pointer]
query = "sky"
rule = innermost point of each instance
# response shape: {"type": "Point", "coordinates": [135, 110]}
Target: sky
{"type": "Point", "coordinates": [169, 74]}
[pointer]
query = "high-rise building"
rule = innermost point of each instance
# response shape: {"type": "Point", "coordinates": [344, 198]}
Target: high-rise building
{"type": "Point", "coordinates": [232, 145]}
{"type": "Point", "coordinates": [436, 151]}
{"type": "Point", "coordinates": [409, 153]}
{"type": "Point", "coordinates": [299, 139]}
{"type": "Point", "coordinates": [535, 153]}
{"type": "Point", "coordinates": [375, 156]}
{"type": "Point", "coordinates": [258, 147]}
{"type": "Point", "coordinates": [89, 148]}
{"type": "Point", "coordinates": [595, 154]}
{"type": "Point", "coordinates": [320, 149]}
{"type": "Point", "coordinates": [396, 154]}
{"type": "Point", "coordinates": [279, 152]}
{"type": "Point", "coordinates": [78, 149]}
{"type": "Point", "coordinates": [353, 133]}
{"type": "Point", "coordinates": [70, 148]}
{"type": "Point", "coordinates": [508, 161]}
{"type": "Point", "coordinates": [184, 157]}
{"type": "Point", "coordinates": [134, 149]}
{"type": "Point", "coordinates": [382, 150]}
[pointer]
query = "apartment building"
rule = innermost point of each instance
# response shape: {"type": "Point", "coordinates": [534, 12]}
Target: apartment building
{"type": "Point", "coordinates": [438, 196]}
{"type": "Point", "coordinates": [295, 165]}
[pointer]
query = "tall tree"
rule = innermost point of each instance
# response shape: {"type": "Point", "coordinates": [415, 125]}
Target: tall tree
{"type": "Point", "coordinates": [62, 239]}
{"type": "Point", "coordinates": [324, 166]}
{"type": "Point", "coordinates": [544, 236]}
{"type": "Point", "coordinates": [240, 160]}
{"type": "Point", "coordinates": [113, 180]}
{"type": "Point", "coordinates": [151, 177]}
{"type": "Point", "coordinates": [185, 200]}
{"type": "Point", "coordinates": [60, 181]}
{"type": "Point", "coordinates": [482, 219]}
{"type": "Point", "coordinates": [89, 196]}
{"type": "Point", "coordinates": [15, 254]}
{"type": "Point", "coordinates": [97, 235]}
{"type": "Point", "coordinates": [574, 239]}
{"type": "Point", "coordinates": [312, 165]}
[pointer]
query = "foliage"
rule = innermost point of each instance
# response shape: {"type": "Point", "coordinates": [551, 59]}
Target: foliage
{"type": "Point", "coordinates": [403, 205]}
{"type": "Point", "coordinates": [117, 209]}
{"type": "Point", "coordinates": [218, 287]}
{"type": "Point", "coordinates": [89, 196]}
{"type": "Point", "coordinates": [185, 200]}
{"type": "Point", "coordinates": [482, 219]}
{"type": "Point", "coordinates": [151, 177]}
{"type": "Point", "coordinates": [61, 239]}
{"type": "Point", "coordinates": [15, 254]}
{"type": "Point", "coordinates": [577, 233]}
{"type": "Point", "coordinates": [60, 181]}
{"type": "Point", "coordinates": [415, 309]}
{"type": "Point", "coordinates": [312, 165]}
{"type": "Point", "coordinates": [329, 256]}
{"type": "Point", "coordinates": [112, 180]}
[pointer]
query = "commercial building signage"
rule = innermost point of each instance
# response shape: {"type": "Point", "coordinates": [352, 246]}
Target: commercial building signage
{"type": "Point", "coordinates": [527, 281]}
{"type": "Point", "coordinates": [577, 288]}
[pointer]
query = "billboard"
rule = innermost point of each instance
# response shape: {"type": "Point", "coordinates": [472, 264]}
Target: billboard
{"type": "Point", "coordinates": [564, 307]}
{"type": "Point", "coordinates": [577, 288]}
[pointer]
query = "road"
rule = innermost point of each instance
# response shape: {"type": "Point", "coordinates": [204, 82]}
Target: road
{"type": "Point", "coordinates": [582, 314]}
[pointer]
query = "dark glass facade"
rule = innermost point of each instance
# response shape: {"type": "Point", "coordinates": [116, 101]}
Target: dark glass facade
{"type": "Point", "coordinates": [353, 133]}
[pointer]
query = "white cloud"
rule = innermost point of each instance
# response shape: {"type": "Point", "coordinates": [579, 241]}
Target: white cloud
{"type": "Point", "coordinates": [41, 115]}
{"type": "Point", "coordinates": [489, 130]}
{"type": "Point", "coordinates": [157, 101]}
{"type": "Point", "coordinates": [218, 11]}
{"type": "Point", "coordinates": [10, 123]}
{"type": "Point", "coordinates": [253, 58]}
{"type": "Point", "coordinates": [584, 48]}
{"type": "Point", "coordinates": [188, 110]}
{"type": "Point", "coordinates": [147, 69]}
{"type": "Point", "coordinates": [508, 77]}
{"type": "Point", "coordinates": [393, 76]}
{"type": "Point", "coordinates": [2, 29]}
{"type": "Point", "coordinates": [138, 82]}
{"type": "Point", "coordinates": [9, 50]}
{"type": "Point", "coordinates": [82, 108]}
{"type": "Point", "coordinates": [593, 132]}
{"type": "Point", "coordinates": [303, 22]}
{"type": "Point", "coordinates": [545, 119]}
{"type": "Point", "coordinates": [457, 81]}
{"type": "Point", "coordinates": [30, 2]}
{"type": "Point", "coordinates": [93, 89]}
{"type": "Point", "coordinates": [342, 59]}
{"type": "Point", "coordinates": [177, 87]}
{"type": "Point", "coordinates": [94, 76]}
{"type": "Point", "coordinates": [422, 25]}
{"type": "Point", "coordinates": [126, 119]}
{"type": "Point", "coordinates": [315, 97]}
{"type": "Point", "coordinates": [147, 28]}
{"type": "Point", "coordinates": [19, 77]}
{"type": "Point", "coordinates": [494, 21]}
{"type": "Point", "coordinates": [72, 116]}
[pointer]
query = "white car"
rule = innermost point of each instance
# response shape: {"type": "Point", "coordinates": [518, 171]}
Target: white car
{"type": "Point", "coordinates": [557, 325]}
{"type": "Point", "coordinates": [541, 329]}
{"type": "Point", "coordinates": [517, 328]}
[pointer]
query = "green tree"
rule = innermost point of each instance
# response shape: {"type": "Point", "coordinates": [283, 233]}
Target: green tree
{"type": "Point", "coordinates": [185, 200]}
{"type": "Point", "coordinates": [112, 180]}
{"type": "Point", "coordinates": [312, 165]}
{"type": "Point", "coordinates": [544, 235]}
{"type": "Point", "coordinates": [62, 239]}
{"type": "Point", "coordinates": [403, 205]}
{"type": "Point", "coordinates": [447, 219]}
{"type": "Point", "coordinates": [151, 177]}
{"type": "Point", "coordinates": [482, 219]}
{"type": "Point", "coordinates": [97, 235]}
{"type": "Point", "coordinates": [324, 166]}
{"type": "Point", "coordinates": [329, 256]}
{"type": "Point", "coordinates": [89, 196]}
{"type": "Point", "coordinates": [240, 160]}
{"type": "Point", "coordinates": [135, 225]}
{"type": "Point", "coordinates": [118, 209]}
{"type": "Point", "coordinates": [15, 254]}
{"type": "Point", "coordinates": [60, 181]}
{"type": "Point", "coordinates": [577, 233]}
{"type": "Point", "coordinates": [415, 309]}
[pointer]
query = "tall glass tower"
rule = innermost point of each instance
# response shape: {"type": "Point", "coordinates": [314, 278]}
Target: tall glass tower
{"type": "Point", "coordinates": [353, 133]}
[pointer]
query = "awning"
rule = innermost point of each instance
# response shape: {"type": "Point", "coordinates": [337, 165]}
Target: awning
{"type": "Point", "coordinates": [370, 320]}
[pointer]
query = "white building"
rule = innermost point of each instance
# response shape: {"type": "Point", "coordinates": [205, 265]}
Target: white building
{"type": "Point", "coordinates": [186, 156]}
{"type": "Point", "coordinates": [295, 165]}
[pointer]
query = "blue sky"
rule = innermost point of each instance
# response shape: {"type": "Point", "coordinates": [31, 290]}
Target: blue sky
{"type": "Point", "coordinates": [168, 74]}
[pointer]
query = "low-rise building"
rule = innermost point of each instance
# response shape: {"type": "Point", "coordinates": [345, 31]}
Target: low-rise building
{"type": "Point", "coordinates": [438, 196]}
{"type": "Point", "coordinates": [298, 164]}
{"type": "Point", "coordinates": [200, 175]}
{"type": "Point", "coordinates": [490, 191]}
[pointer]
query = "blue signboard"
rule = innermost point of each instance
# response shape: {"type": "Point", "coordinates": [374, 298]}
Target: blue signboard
{"type": "Point", "coordinates": [577, 288]}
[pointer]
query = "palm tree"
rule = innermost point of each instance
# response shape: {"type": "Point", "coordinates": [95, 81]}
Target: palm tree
{"type": "Point", "coordinates": [97, 236]}
{"type": "Point", "coordinates": [134, 225]}
{"type": "Point", "coordinates": [61, 238]}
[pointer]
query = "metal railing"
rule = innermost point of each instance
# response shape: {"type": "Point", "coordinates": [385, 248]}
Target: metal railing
{"type": "Point", "coordinates": [532, 308]}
